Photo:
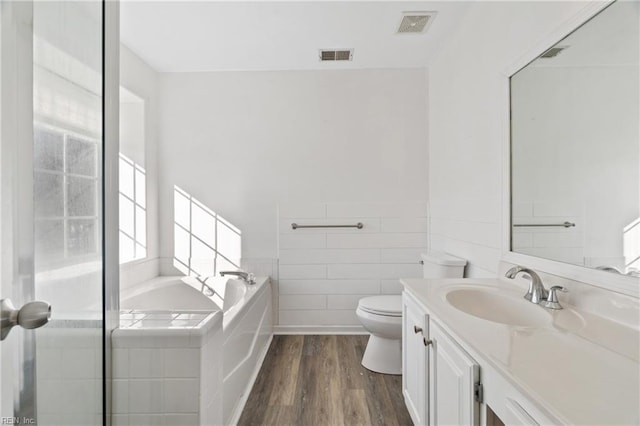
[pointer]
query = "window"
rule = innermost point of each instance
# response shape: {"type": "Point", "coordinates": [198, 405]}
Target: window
{"type": "Point", "coordinates": [133, 182]}
{"type": "Point", "coordinates": [631, 246]}
{"type": "Point", "coordinates": [67, 150]}
{"type": "Point", "coordinates": [133, 211]}
{"type": "Point", "coordinates": [66, 175]}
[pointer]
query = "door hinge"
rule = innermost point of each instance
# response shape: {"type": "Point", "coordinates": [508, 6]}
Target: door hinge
{"type": "Point", "coordinates": [478, 392]}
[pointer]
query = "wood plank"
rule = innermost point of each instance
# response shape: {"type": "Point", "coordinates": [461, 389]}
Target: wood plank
{"type": "Point", "coordinates": [319, 380]}
{"type": "Point", "coordinates": [380, 406]}
{"type": "Point", "coordinates": [284, 374]}
{"type": "Point", "coordinates": [312, 345]}
{"type": "Point", "coordinates": [351, 369]}
{"type": "Point", "coordinates": [306, 388]}
{"type": "Point", "coordinates": [330, 383]}
{"type": "Point", "coordinates": [355, 409]}
{"type": "Point", "coordinates": [280, 415]}
{"type": "Point", "coordinates": [258, 401]}
{"type": "Point", "coordinates": [319, 383]}
{"type": "Point", "coordinates": [394, 389]}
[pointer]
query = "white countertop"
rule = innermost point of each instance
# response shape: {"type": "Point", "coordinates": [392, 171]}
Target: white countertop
{"type": "Point", "coordinates": [589, 375]}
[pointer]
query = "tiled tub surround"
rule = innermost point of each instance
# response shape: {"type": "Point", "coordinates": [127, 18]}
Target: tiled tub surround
{"type": "Point", "coordinates": [69, 368]}
{"type": "Point", "coordinates": [225, 364]}
{"type": "Point", "coordinates": [167, 368]}
{"type": "Point", "coordinates": [247, 332]}
{"type": "Point", "coordinates": [323, 272]}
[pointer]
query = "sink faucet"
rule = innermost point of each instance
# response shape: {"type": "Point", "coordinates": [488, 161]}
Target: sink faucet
{"type": "Point", "coordinates": [536, 293]}
{"type": "Point", "coordinates": [245, 276]}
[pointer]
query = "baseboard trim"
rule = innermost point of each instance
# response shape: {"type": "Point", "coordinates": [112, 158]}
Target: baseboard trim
{"type": "Point", "coordinates": [319, 329]}
{"type": "Point", "coordinates": [245, 397]}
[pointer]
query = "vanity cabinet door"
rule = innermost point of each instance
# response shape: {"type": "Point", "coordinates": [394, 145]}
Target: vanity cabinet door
{"type": "Point", "coordinates": [453, 375]}
{"type": "Point", "coordinates": [414, 360]}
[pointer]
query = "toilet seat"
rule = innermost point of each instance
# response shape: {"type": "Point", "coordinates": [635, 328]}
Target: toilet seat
{"type": "Point", "coordinates": [388, 306]}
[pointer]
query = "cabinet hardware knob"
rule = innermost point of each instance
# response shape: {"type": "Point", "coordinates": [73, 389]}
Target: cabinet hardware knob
{"type": "Point", "coordinates": [426, 341]}
{"type": "Point", "coordinates": [417, 329]}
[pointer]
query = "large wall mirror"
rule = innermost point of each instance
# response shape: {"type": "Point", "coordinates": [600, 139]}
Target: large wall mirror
{"type": "Point", "coordinates": [575, 147]}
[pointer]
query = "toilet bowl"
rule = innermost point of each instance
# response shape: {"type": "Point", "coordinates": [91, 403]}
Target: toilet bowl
{"type": "Point", "coordinates": [382, 317]}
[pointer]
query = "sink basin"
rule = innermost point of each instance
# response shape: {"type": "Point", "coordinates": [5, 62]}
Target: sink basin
{"type": "Point", "coordinates": [492, 305]}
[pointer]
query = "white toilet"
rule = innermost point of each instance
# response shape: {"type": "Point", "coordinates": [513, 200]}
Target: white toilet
{"type": "Point", "coordinates": [382, 316]}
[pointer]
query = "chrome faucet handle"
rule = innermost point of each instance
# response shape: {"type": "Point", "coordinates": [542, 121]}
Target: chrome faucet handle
{"type": "Point", "coordinates": [552, 299]}
{"type": "Point", "coordinates": [247, 277]}
{"type": "Point", "coordinates": [529, 294]}
{"type": "Point", "coordinates": [536, 292]}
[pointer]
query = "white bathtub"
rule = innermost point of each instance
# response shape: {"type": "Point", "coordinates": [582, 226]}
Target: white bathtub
{"type": "Point", "coordinates": [247, 323]}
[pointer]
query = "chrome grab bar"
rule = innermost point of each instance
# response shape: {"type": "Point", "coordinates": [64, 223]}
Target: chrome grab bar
{"type": "Point", "coordinates": [565, 224]}
{"type": "Point", "coordinates": [358, 225]}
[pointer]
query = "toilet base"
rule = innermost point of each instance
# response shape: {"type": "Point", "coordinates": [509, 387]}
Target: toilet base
{"type": "Point", "coordinates": [383, 355]}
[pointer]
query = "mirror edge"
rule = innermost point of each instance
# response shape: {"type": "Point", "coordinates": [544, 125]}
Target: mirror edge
{"type": "Point", "coordinates": [618, 283]}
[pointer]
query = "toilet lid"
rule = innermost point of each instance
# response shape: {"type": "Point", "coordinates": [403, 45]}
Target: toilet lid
{"type": "Point", "coordinates": [390, 306]}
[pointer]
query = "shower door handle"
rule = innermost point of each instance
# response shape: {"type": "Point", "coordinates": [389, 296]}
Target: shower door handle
{"type": "Point", "coordinates": [31, 315]}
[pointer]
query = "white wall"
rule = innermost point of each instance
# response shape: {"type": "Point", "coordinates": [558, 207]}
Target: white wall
{"type": "Point", "coordinates": [132, 128]}
{"type": "Point", "coordinates": [324, 272]}
{"type": "Point", "coordinates": [243, 142]}
{"type": "Point", "coordinates": [138, 78]}
{"type": "Point", "coordinates": [466, 116]}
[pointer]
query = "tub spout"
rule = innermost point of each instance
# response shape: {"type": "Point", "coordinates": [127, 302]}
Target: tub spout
{"type": "Point", "coordinates": [245, 276]}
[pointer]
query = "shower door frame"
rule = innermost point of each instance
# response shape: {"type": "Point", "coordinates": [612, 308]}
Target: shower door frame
{"type": "Point", "coordinates": [17, 245]}
{"type": "Point", "coordinates": [16, 29]}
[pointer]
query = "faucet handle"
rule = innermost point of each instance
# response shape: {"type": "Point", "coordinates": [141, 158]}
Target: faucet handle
{"type": "Point", "coordinates": [552, 299]}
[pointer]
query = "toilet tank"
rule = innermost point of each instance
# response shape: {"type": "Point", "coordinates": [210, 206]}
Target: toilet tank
{"type": "Point", "coordinates": [437, 264]}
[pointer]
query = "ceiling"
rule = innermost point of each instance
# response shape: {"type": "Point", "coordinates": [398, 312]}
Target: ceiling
{"type": "Point", "coordinates": [186, 36]}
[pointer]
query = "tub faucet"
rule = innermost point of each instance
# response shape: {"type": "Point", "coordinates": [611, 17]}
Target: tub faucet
{"type": "Point", "coordinates": [536, 293]}
{"type": "Point", "coordinates": [244, 276]}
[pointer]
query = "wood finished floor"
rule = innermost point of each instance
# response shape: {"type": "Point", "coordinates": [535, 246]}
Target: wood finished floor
{"type": "Point", "coordinates": [318, 380]}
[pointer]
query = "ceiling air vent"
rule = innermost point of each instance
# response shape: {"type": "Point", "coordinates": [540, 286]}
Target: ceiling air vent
{"type": "Point", "coordinates": [336, 54]}
{"type": "Point", "coordinates": [553, 52]}
{"type": "Point", "coordinates": [415, 22]}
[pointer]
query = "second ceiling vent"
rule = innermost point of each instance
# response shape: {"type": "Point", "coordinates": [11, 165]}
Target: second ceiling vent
{"type": "Point", "coordinates": [336, 54]}
{"type": "Point", "coordinates": [415, 22]}
{"type": "Point", "coordinates": [553, 52]}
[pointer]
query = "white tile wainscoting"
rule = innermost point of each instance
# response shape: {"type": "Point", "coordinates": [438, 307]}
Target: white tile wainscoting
{"type": "Point", "coordinates": [168, 372]}
{"type": "Point", "coordinates": [468, 228]}
{"type": "Point", "coordinates": [323, 272]}
{"type": "Point", "coordinates": [69, 366]}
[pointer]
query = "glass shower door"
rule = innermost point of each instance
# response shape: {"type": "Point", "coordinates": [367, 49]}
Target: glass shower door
{"type": "Point", "coordinates": [51, 186]}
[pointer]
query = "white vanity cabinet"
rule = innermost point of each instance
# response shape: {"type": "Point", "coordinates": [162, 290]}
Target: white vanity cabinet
{"type": "Point", "coordinates": [543, 373]}
{"type": "Point", "coordinates": [440, 381]}
{"type": "Point", "coordinates": [454, 378]}
{"type": "Point", "coordinates": [414, 360]}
